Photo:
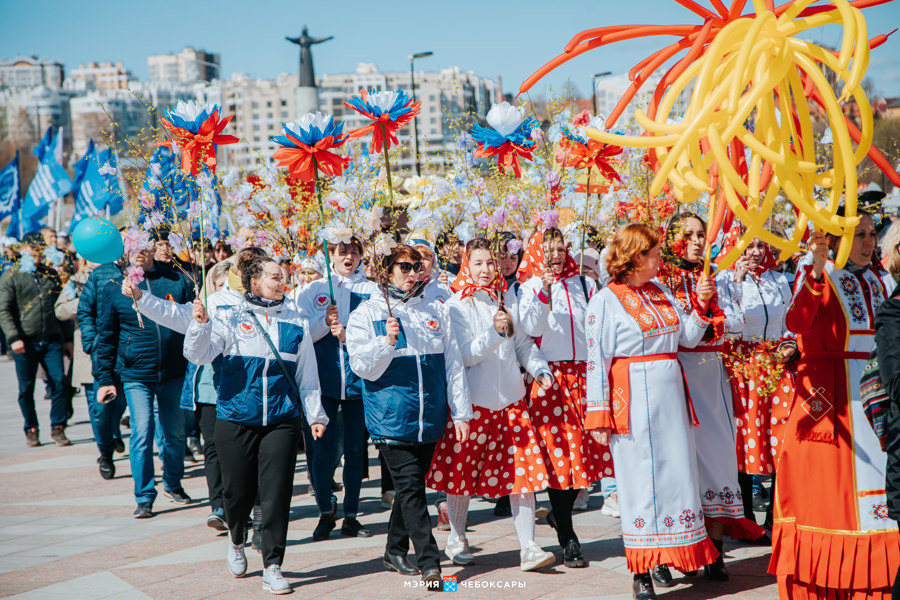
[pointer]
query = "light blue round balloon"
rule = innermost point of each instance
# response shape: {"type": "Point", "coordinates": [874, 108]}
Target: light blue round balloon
{"type": "Point", "coordinates": [98, 240]}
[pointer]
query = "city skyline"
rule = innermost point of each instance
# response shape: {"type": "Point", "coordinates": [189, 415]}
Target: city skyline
{"type": "Point", "coordinates": [494, 41]}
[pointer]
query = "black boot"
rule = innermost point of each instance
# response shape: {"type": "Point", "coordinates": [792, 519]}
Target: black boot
{"type": "Point", "coordinates": [572, 556]}
{"type": "Point", "coordinates": [662, 576]}
{"type": "Point", "coordinates": [717, 570]}
{"type": "Point", "coordinates": [326, 524]}
{"type": "Point", "coordinates": [642, 588]}
{"type": "Point", "coordinates": [256, 538]}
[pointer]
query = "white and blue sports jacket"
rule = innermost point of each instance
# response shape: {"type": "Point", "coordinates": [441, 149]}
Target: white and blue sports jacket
{"type": "Point", "coordinates": [407, 388]}
{"type": "Point", "coordinates": [337, 379]}
{"type": "Point", "coordinates": [252, 386]}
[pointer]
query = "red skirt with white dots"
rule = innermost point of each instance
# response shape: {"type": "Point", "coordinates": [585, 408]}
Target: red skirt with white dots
{"type": "Point", "coordinates": [573, 458]}
{"type": "Point", "coordinates": [501, 456]}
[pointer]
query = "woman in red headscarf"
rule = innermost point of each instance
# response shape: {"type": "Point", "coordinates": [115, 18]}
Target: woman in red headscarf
{"type": "Point", "coordinates": [755, 357]}
{"type": "Point", "coordinates": [553, 300]}
{"type": "Point", "coordinates": [710, 389]}
{"type": "Point", "coordinates": [501, 456]}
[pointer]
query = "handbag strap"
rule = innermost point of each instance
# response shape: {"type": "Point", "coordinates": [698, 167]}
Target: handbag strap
{"type": "Point", "coordinates": [287, 374]}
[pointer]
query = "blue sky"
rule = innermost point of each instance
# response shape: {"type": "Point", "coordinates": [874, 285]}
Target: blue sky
{"type": "Point", "coordinates": [508, 39]}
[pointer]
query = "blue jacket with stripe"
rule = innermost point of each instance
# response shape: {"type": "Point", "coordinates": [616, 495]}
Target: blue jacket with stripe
{"type": "Point", "coordinates": [252, 386]}
{"type": "Point", "coordinates": [408, 388]}
{"type": "Point", "coordinates": [337, 379]}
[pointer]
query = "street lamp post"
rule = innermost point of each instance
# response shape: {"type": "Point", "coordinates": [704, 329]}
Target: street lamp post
{"type": "Point", "coordinates": [412, 84]}
{"type": "Point", "coordinates": [594, 79]}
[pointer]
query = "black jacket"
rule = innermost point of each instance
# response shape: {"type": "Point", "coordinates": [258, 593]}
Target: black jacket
{"type": "Point", "coordinates": [27, 304]}
{"type": "Point", "coordinates": [887, 340]}
{"type": "Point", "coordinates": [152, 355]}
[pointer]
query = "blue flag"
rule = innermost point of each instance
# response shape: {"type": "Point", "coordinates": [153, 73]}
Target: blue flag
{"type": "Point", "coordinates": [10, 188]}
{"type": "Point", "coordinates": [42, 146]}
{"type": "Point", "coordinates": [109, 169]}
{"type": "Point", "coordinates": [91, 191]}
{"type": "Point", "coordinates": [50, 183]}
{"type": "Point", "coordinates": [19, 226]}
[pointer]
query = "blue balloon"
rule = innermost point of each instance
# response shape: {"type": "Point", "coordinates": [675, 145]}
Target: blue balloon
{"type": "Point", "coordinates": [98, 240]}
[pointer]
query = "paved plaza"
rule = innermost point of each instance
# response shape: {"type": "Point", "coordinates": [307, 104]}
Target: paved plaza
{"type": "Point", "coordinates": [68, 534]}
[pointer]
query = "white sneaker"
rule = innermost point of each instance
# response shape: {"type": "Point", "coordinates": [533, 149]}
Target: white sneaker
{"type": "Point", "coordinates": [274, 582]}
{"type": "Point", "coordinates": [534, 557]}
{"type": "Point", "coordinates": [541, 512]}
{"type": "Point", "coordinates": [237, 560]}
{"type": "Point", "coordinates": [458, 552]}
{"type": "Point", "coordinates": [611, 506]}
{"type": "Point", "coordinates": [387, 499]}
{"type": "Point", "coordinates": [581, 502]}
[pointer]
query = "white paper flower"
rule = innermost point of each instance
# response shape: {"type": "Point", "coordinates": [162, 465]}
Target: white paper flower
{"type": "Point", "coordinates": [190, 110]}
{"type": "Point", "coordinates": [335, 234]}
{"type": "Point", "coordinates": [230, 178]}
{"type": "Point", "coordinates": [384, 244]}
{"type": "Point", "coordinates": [316, 119]}
{"type": "Point", "coordinates": [383, 100]}
{"type": "Point", "coordinates": [419, 218]}
{"type": "Point", "coordinates": [107, 169]}
{"type": "Point", "coordinates": [505, 118]}
{"type": "Point", "coordinates": [371, 219]}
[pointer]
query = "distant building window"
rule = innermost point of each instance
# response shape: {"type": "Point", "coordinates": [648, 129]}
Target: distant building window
{"type": "Point", "coordinates": [256, 105]}
{"type": "Point", "coordinates": [284, 102]}
{"type": "Point", "coordinates": [268, 105]}
{"type": "Point", "coordinates": [255, 127]}
{"type": "Point", "coordinates": [432, 98]}
{"type": "Point", "coordinates": [433, 120]}
{"type": "Point", "coordinates": [269, 115]}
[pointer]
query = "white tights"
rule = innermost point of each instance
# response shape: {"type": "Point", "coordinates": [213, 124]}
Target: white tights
{"type": "Point", "coordinates": [522, 506]}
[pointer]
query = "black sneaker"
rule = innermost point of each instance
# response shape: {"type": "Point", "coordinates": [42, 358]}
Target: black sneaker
{"type": "Point", "coordinates": [119, 445]}
{"type": "Point", "coordinates": [126, 421]}
{"type": "Point", "coordinates": [353, 528]}
{"type": "Point", "coordinates": [326, 524]}
{"type": "Point", "coordinates": [144, 510]}
{"type": "Point", "coordinates": [177, 496]}
{"type": "Point", "coordinates": [107, 467]}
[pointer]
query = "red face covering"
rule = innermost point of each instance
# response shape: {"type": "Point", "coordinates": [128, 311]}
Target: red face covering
{"type": "Point", "coordinates": [533, 264]}
{"type": "Point", "coordinates": [467, 285]}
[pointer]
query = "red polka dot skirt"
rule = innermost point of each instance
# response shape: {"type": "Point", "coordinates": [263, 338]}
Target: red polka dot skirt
{"type": "Point", "coordinates": [573, 458]}
{"type": "Point", "coordinates": [501, 456]}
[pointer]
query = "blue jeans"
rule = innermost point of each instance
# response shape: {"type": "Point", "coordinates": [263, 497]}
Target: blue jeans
{"type": "Point", "coordinates": [326, 450]}
{"type": "Point", "coordinates": [607, 486]}
{"type": "Point", "coordinates": [140, 397]}
{"type": "Point", "coordinates": [50, 356]}
{"type": "Point", "coordinates": [105, 417]}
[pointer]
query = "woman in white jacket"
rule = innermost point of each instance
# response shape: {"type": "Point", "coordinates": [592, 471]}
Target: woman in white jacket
{"type": "Point", "coordinates": [412, 372]}
{"type": "Point", "coordinates": [492, 347]}
{"type": "Point", "coordinates": [552, 305]}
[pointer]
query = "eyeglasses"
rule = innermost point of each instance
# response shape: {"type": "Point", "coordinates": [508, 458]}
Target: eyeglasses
{"type": "Point", "coordinates": [406, 267]}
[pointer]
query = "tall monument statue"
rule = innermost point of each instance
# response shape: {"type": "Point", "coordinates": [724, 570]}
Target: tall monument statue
{"type": "Point", "coordinates": [307, 74]}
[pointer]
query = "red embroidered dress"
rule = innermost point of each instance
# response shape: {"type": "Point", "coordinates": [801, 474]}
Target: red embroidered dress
{"type": "Point", "coordinates": [832, 536]}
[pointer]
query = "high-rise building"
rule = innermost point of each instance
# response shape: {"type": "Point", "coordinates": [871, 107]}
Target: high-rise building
{"type": "Point", "coordinates": [26, 114]}
{"type": "Point", "coordinates": [26, 72]}
{"type": "Point", "coordinates": [98, 77]}
{"type": "Point", "coordinates": [448, 98]}
{"type": "Point", "coordinates": [188, 66]}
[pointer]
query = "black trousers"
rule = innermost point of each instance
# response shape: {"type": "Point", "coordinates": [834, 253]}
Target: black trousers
{"type": "Point", "coordinates": [257, 458]}
{"type": "Point", "coordinates": [408, 465]}
{"type": "Point", "coordinates": [206, 420]}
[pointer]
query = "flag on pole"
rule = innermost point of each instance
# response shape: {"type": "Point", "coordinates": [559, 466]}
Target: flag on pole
{"type": "Point", "coordinates": [10, 188]}
{"type": "Point", "coordinates": [50, 183]}
{"type": "Point", "coordinates": [115, 182]}
{"type": "Point", "coordinates": [42, 146]}
{"type": "Point", "coordinates": [92, 193]}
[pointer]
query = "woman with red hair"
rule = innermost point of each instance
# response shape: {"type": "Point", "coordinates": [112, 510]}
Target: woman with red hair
{"type": "Point", "coordinates": [637, 402]}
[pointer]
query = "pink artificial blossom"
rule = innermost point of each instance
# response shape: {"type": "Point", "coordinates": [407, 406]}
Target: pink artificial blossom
{"type": "Point", "coordinates": [582, 119]}
{"type": "Point", "coordinates": [549, 218]}
{"type": "Point", "coordinates": [147, 200]}
{"type": "Point", "coordinates": [537, 134]}
{"type": "Point", "coordinates": [500, 216]}
{"type": "Point", "coordinates": [513, 201]}
{"type": "Point", "coordinates": [134, 274]}
{"type": "Point", "coordinates": [551, 179]}
{"type": "Point", "coordinates": [483, 221]}
{"type": "Point", "coordinates": [513, 246]}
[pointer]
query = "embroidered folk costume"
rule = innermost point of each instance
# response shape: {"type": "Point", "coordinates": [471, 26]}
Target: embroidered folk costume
{"type": "Point", "coordinates": [636, 387]}
{"type": "Point", "coordinates": [832, 536]}
{"type": "Point", "coordinates": [710, 391]}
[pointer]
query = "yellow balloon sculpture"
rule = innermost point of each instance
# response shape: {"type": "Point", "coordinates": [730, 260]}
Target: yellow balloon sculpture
{"type": "Point", "coordinates": [757, 70]}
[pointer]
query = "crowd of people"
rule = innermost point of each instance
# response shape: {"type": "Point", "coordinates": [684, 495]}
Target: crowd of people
{"type": "Point", "coordinates": [502, 368]}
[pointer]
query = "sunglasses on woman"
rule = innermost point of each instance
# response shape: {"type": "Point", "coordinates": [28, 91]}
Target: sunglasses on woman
{"type": "Point", "coordinates": [406, 267]}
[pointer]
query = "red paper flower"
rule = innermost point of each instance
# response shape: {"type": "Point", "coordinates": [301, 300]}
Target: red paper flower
{"type": "Point", "coordinates": [196, 138]}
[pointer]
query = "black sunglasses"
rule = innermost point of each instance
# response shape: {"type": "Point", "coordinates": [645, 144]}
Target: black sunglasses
{"type": "Point", "coordinates": [406, 267]}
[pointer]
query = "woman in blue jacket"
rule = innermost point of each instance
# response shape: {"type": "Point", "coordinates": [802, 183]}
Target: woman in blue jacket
{"type": "Point", "coordinates": [268, 369]}
{"type": "Point", "coordinates": [412, 372]}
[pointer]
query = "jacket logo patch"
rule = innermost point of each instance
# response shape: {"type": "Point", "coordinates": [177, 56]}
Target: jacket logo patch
{"type": "Point", "coordinates": [433, 326]}
{"type": "Point", "coordinates": [245, 329]}
{"type": "Point", "coordinates": [322, 302]}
